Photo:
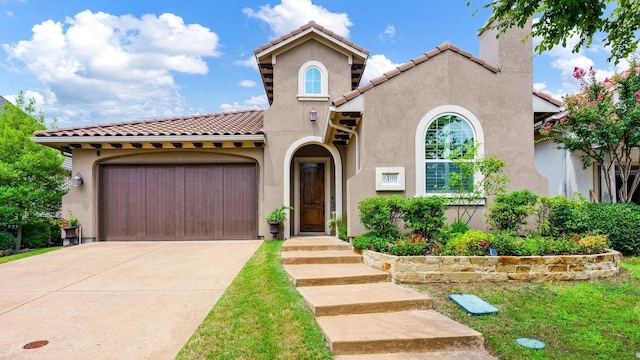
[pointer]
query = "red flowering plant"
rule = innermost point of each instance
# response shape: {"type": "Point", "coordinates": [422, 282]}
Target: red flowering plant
{"type": "Point", "coordinates": [413, 245]}
{"type": "Point", "coordinates": [602, 123]}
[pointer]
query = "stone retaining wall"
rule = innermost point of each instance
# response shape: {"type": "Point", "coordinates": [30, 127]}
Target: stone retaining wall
{"type": "Point", "coordinates": [429, 269]}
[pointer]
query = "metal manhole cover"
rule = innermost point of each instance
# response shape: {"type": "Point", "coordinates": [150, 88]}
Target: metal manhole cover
{"type": "Point", "coordinates": [35, 344]}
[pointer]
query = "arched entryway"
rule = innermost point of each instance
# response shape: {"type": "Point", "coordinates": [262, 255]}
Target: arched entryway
{"type": "Point", "coordinates": [313, 185]}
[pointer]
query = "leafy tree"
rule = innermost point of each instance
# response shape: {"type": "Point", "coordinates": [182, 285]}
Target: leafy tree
{"type": "Point", "coordinates": [561, 19]}
{"type": "Point", "coordinates": [604, 130]}
{"type": "Point", "coordinates": [31, 175]}
{"type": "Point", "coordinates": [477, 177]}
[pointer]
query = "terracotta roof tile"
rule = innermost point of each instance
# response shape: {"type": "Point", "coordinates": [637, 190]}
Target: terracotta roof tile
{"type": "Point", "coordinates": [548, 98]}
{"type": "Point", "coordinates": [311, 24]}
{"type": "Point", "coordinates": [445, 46]}
{"type": "Point", "coordinates": [248, 122]}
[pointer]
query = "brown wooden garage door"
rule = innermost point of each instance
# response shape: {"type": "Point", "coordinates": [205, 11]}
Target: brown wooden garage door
{"type": "Point", "coordinates": [199, 202]}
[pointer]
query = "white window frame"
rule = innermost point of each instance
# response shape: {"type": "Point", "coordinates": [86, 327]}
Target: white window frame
{"type": "Point", "coordinates": [421, 132]}
{"type": "Point", "coordinates": [324, 82]}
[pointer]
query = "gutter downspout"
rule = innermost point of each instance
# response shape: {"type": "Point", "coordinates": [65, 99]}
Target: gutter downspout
{"type": "Point", "coordinates": [347, 130]}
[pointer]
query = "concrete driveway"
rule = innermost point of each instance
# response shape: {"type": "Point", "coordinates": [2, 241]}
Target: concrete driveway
{"type": "Point", "coordinates": [117, 300]}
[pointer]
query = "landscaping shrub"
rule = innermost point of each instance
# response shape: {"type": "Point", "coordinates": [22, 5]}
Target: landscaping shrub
{"type": "Point", "coordinates": [558, 216]}
{"type": "Point", "coordinates": [36, 235]}
{"type": "Point", "coordinates": [621, 222]}
{"type": "Point", "coordinates": [381, 214]}
{"type": "Point", "coordinates": [7, 241]}
{"type": "Point", "coordinates": [593, 244]}
{"type": "Point", "coordinates": [510, 211]}
{"type": "Point", "coordinates": [425, 215]}
{"type": "Point", "coordinates": [413, 245]}
{"type": "Point", "coordinates": [370, 241]}
{"type": "Point", "coordinates": [473, 242]}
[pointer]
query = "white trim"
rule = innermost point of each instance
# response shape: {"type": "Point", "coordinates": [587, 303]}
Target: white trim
{"type": "Point", "coordinates": [324, 82]}
{"type": "Point", "coordinates": [327, 190]}
{"type": "Point", "coordinates": [337, 161]}
{"type": "Point", "coordinates": [331, 39]}
{"type": "Point", "coordinates": [423, 125]}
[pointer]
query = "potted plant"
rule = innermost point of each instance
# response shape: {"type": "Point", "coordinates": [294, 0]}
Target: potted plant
{"type": "Point", "coordinates": [70, 227]}
{"type": "Point", "coordinates": [277, 217]}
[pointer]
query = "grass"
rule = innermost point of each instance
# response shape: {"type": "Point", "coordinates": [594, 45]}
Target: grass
{"type": "Point", "coordinates": [598, 319]}
{"type": "Point", "coordinates": [260, 316]}
{"type": "Point", "coordinates": [6, 259]}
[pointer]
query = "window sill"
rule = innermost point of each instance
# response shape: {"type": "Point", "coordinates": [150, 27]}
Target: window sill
{"type": "Point", "coordinates": [452, 201]}
{"type": "Point", "coordinates": [313, 97]}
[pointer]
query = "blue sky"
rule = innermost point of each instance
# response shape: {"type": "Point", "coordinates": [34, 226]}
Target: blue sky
{"type": "Point", "coordinates": [100, 61]}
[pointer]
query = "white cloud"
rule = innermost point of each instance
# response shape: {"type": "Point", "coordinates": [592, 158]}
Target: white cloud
{"type": "Point", "coordinates": [255, 102]}
{"type": "Point", "coordinates": [248, 62]}
{"type": "Point", "coordinates": [291, 14]}
{"type": "Point", "coordinates": [98, 67]}
{"type": "Point", "coordinates": [388, 34]}
{"type": "Point", "coordinates": [377, 65]}
{"type": "Point", "coordinates": [247, 83]}
{"type": "Point", "coordinates": [9, 13]}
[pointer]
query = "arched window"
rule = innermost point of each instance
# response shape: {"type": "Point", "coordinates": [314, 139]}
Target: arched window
{"type": "Point", "coordinates": [447, 138]}
{"type": "Point", "coordinates": [313, 82]}
{"type": "Point", "coordinates": [443, 134]}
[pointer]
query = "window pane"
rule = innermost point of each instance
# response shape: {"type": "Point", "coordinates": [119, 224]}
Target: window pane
{"type": "Point", "coordinates": [437, 178]}
{"type": "Point", "coordinates": [312, 81]}
{"type": "Point", "coordinates": [444, 137]}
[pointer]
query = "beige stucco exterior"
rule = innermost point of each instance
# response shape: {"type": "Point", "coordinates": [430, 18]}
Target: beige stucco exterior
{"type": "Point", "coordinates": [390, 116]}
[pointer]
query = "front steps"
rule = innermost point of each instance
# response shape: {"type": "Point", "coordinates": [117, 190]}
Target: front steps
{"type": "Point", "coordinates": [363, 315]}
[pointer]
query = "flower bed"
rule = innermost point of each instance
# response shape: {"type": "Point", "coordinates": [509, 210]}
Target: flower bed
{"type": "Point", "coordinates": [430, 269]}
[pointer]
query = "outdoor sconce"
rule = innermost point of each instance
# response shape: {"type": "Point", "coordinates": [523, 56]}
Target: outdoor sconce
{"type": "Point", "coordinates": [77, 180]}
{"type": "Point", "coordinates": [313, 115]}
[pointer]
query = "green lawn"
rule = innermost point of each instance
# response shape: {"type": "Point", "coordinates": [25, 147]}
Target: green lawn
{"type": "Point", "coordinates": [260, 316]}
{"type": "Point", "coordinates": [576, 320]}
{"type": "Point", "coordinates": [6, 259]}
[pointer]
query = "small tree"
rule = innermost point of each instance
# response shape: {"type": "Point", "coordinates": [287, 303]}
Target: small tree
{"type": "Point", "coordinates": [31, 175]}
{"type": "Point", "coordinates": [603, 130]}
{"type": "Point", "coordinates": [477, 178]}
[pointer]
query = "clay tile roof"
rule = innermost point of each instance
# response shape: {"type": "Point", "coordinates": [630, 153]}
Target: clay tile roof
{"type": "Point", "coordinates": [548, 98]}
{"type": "Point", "coordinates": [445, 46]}
{"type": "Point", "coordinates": [310, 24]}
{"type": "Point", "coordinates": [248, 122]}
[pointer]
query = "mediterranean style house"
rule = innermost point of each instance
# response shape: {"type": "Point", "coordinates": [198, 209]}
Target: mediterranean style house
{"type": "Point", "coordinates": [325, 143]}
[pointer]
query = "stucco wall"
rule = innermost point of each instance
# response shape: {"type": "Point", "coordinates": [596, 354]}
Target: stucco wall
{"type": "Point", "coordinates": [501, 101]}
{"type": "Point", "coordinates": [564, 171]}
{"type": "Point", "coordinates": [287, 125]}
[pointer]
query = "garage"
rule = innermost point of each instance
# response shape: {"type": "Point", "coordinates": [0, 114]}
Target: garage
{"type": "Point", "coordinates": [178, 202]}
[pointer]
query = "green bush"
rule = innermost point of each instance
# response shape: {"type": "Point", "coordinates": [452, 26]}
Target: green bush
{"type": "Point", "coordinates": [381, 214]}
{"type": "Point", "coordinates": [593, 244]}
{"type": "Point", "coordinates": [558, 216]}
{"type": "Point", "coordinates": [36, 235]}
{"type": "Point", "coordinates": [7, 241]}
{"type": "Point", "coordinates": [473, 242]}
{"type": "Point", "coordinates": [370, 241]}
{"type": "Point", "coordinates": [621, 222]}
{"type": "Point", "coordinates": [425, 215]}
{"type": "Point", "coordinates": [342, 228]}
{"type": "Point", "coordinates": [510, 211]}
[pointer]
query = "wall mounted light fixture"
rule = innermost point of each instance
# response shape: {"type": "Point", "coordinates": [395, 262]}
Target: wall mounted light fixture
{"type": "Point", "coordinates": [77, 180]}
{"type": "Point", "coordinates": [313, 114]}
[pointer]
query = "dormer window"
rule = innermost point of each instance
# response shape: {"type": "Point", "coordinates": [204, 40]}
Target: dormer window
{"type": "Point", "coordinates": [313, 82]}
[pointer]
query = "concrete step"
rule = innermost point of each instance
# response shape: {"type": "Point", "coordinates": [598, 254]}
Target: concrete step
{"type": "Point", "coordinates": [397, 332]}
{"type": "Point", "coordinates": [334, 274]}
{"type": "Point", "coordinates": [321, 257]}
{"type": "Point", "coordinates": [432, 355]}
{"type": "Point", "coordinates": [315, 243]}
{"type": "Point", "coordinates": [362, 299]}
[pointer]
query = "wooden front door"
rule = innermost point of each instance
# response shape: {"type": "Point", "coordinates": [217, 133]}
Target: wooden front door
{"type": "Point", "coordinates": [312, 197]}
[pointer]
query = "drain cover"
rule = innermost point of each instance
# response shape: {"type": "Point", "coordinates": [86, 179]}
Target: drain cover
{"type": "Point", "coordinates": [530, 343]}
{"type": "Point", "coordinates": [35, 344]}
